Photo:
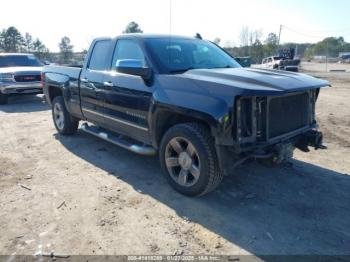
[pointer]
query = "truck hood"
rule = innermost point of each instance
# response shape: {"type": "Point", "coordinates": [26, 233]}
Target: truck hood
{"type": "Point", "coordinates": [249, 80]}
{"type": "Point", "coordinates": [20, 69]}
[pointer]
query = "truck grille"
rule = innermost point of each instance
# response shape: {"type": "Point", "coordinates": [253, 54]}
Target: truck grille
{"type": "Point", "coordinates": [27, 78]}
{"type": "Point", "coordinates": [287, 113]}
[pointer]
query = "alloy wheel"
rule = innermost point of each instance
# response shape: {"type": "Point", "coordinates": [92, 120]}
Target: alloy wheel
{"type": "Point", "coordinates": [58, 116]}
{"type": "Point", "coordinates": [182, 161]}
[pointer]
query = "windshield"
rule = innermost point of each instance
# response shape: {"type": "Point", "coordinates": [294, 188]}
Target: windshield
{"type": "Point", "coordinates": [18, 60]}
{"type": "Point", "coordinates": [179, 55]}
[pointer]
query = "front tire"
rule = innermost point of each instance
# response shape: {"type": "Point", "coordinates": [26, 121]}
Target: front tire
{"type": "Point", "coordinates": [64, 122]}
{"type": "Point", "coordinates": [3, 99]}
{"type": "Point", "coordinates": [189, 161]}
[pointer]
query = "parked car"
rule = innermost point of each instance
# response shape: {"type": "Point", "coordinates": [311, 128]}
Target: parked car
{"type": "Point", "coordinates": [280, 63]}
{"type": "Point", "coordinates": [187, 100]}
{"type": "Point", "coordinates": [19, 74]}
{"type": "Point", "coordinates": [244, 61]}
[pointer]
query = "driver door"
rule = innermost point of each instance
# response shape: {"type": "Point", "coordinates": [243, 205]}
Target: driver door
{"type": "Point", "coordinates": [127, 97]}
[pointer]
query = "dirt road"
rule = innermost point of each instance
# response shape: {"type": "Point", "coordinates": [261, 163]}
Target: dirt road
{"type": "Point", "coordinates": [80, 195]}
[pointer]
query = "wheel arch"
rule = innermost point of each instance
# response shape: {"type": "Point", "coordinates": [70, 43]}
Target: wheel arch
{"type": "Point", "coordinates": [52, 92]}
{"type": "Point", "coordinates": [55, 85]}
{"type": "Point", "coordinates": [165, 118]}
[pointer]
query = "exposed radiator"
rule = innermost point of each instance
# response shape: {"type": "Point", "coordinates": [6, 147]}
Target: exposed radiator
{"type": "Point", "coordinates": [288, 113]}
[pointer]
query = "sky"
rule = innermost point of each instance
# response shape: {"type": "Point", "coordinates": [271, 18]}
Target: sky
{"type": "Point", "coordinates": [82, 20]}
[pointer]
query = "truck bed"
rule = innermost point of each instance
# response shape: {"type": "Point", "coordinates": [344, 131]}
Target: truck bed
{"type": "Point", "coordinates": [72, 72]}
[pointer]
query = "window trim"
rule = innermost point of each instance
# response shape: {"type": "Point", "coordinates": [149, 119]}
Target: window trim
{"type": "Point", "coordinates": [115, 47]}
{"type": "Point", "coordinates": [92, 52]}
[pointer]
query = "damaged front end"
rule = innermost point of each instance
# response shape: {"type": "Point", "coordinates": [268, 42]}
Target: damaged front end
{"type": "Point", "coordinates": [271, 127]}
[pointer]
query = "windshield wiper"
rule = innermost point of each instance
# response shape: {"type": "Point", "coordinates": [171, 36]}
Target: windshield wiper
{"type": "Point", "coordinates": [218, 67]}
{"type": "Point", "coordinates": [179, 71]}
{"type": "Point", "coordinates": [183, 70]}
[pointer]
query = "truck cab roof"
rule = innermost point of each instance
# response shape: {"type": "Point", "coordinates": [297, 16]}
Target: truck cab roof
{"type": "Point", "coordinates": [15, 54]}
{"type": "Point", "coordinates": [144, 36]}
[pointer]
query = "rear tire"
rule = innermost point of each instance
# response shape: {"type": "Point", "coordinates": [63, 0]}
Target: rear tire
{"type": "Point", "coordinates": [189, 161]}
{"type": "Point", "coordinates": [64, 122]}
{"type": "Point", "coordinates": [3, 99]}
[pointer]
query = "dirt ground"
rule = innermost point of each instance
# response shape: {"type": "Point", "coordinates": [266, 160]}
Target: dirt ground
{"type": "Point", "coordinates": [81, 195]}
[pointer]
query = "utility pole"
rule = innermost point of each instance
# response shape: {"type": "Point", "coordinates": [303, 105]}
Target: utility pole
{"type": "Point", "coordinates": [279, 39]}
{"type": "Point", "coordinates": [170, 15]}
{"type": "Point", "coordinates": [279, 35]}
{"type": "Point", "coordinates": [327, 57]}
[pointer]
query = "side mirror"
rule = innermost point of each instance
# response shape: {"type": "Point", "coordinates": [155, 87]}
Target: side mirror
{"type": "Point", "coordinates": [133, 67]}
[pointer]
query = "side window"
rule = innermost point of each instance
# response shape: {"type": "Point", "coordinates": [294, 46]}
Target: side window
{"type": "Point", "coordinates": [98, 60]}
{"type": "Point", "coordinates": [127, 49]}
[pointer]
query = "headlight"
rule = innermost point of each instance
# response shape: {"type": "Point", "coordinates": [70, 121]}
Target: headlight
{"type": "Point", "coordinates": [6, 77]}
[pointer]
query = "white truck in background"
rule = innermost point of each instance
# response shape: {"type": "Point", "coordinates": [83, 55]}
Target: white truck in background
{"type": "Point", "coordinates": [284, 60]}
{"type": "Point", "coordinates": [280, 63]}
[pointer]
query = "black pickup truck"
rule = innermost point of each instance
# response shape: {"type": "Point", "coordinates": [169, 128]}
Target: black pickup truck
{"type": "Point", "coordinates": [187, 100]}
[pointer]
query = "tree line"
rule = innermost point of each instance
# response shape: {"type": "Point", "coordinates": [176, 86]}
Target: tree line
{"type": "Point", "coordinates": [330, 46]}
{"type": "Point", "coordinates": [251, 44]}
{"type": "Point", "coordinates": [12, 41]}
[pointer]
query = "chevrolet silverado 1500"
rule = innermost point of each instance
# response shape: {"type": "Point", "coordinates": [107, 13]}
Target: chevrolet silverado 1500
{"type": "Point", "coordinates": [187, 100]}
{"type": "Point", "coordinates": [19, 74]}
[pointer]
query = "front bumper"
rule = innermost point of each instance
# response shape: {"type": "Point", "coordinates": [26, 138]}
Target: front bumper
{"type": "Point", "coordinates": [21, 88]}
{"type": "Point", "coordinates": [278, 151]}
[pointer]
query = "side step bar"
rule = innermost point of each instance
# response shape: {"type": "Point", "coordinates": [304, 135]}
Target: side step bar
{"type": "Point", "coordinates": [117, 140]}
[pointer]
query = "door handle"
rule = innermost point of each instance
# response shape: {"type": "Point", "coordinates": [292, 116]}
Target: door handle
{"type": "Point", "coordinates": [89, 84]}
{"type": "Point", "coordinates": [108, 83]}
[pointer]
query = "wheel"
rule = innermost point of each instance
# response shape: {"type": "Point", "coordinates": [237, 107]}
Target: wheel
{"type": "Point", "coordinates": [64, 122]}
{"type": "Point", "coordinates": [3, 99]}
{"type": "Point", "coordinates": [189, 161]}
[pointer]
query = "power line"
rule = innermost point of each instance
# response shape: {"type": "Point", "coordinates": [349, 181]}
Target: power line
{"type": "Point", "coordinates": [322, 31]}
{"type": "Point", "coordinates": [300, 32]}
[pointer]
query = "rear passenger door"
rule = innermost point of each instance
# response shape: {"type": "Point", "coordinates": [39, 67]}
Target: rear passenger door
{"type": "Point", "coordinates": [127, 97]}
{"type": "Point", "coordinates": [91, 82]}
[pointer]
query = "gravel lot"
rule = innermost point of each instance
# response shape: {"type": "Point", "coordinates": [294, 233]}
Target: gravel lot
{"type": "Point", "coordinates": [80, 195]}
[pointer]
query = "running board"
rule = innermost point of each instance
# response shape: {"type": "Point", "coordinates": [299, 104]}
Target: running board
{"type": "Point", "coordinates": [118, 140]}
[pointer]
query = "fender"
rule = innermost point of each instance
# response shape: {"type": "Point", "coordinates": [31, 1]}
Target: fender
{"type": "Point", "coordinates": [65, 84]}
{"type": "Point", "coordinates": [214, 111]}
